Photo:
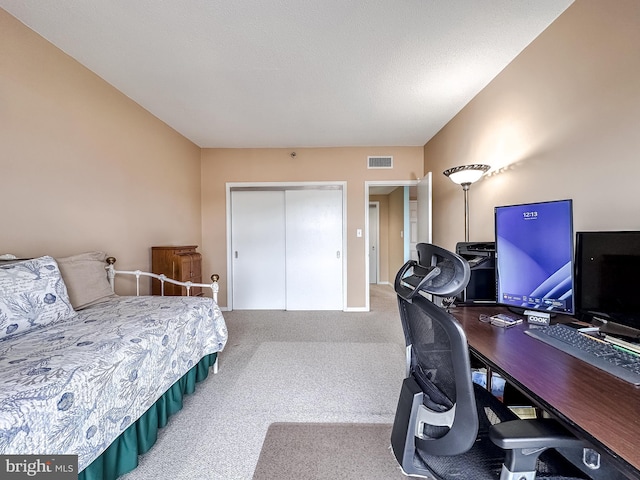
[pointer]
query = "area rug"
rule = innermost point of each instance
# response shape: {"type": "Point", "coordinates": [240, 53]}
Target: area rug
{"type": "Point", "coordinates": [327, 451]}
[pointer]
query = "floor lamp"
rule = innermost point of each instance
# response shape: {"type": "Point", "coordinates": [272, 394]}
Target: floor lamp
{"type": "Point", "coordinates": [464, 176]}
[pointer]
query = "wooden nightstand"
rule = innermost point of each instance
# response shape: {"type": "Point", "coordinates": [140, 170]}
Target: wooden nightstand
{"type": "Point", "coordinates": [180, 263]}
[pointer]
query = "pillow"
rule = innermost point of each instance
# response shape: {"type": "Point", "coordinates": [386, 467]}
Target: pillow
{"type": "Point", "coordinates": [86, 278]}
{"type": "Point", "coordinates": [32, 294]}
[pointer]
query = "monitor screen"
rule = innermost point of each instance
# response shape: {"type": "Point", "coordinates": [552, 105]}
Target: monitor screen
{"type": "Point", "coordinates": [607, 269]}
{"type": "Point", "coordinates": [534, 256]}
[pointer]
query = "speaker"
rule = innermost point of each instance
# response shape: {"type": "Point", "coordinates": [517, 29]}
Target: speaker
{"type": "Point", "coordinates": [482, 284]}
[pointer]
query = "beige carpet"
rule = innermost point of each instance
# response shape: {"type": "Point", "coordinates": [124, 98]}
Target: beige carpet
{"type": "Point", "coordinates": [327, 451]}
{"type": "Point", "coordinates": [284, 366]}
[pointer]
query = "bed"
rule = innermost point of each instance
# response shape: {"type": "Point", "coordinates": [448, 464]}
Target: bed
{"type": "Point", "coordinates": [86, 372]}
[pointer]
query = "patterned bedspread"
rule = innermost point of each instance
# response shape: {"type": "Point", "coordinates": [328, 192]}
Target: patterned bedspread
{"type": "Point", "coordinates": [74, 386]}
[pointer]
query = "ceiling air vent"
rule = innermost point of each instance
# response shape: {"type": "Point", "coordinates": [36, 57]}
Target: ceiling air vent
{"type": "Point", "coordinates": [380, 162]}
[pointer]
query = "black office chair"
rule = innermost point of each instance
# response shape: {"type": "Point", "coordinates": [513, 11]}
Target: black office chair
{"type": "Point", "coordinates": [447, 427]}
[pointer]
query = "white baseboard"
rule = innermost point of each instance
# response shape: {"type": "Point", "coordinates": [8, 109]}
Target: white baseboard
{"type": "Point", "coordinates": [356, 309]}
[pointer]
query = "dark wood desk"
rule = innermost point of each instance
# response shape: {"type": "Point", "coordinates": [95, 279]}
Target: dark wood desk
{"type": "Point", "coordinates": [597, 406]}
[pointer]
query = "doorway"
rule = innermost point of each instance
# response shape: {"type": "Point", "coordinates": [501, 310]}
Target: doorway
{"type": "Point", "coordinates": [414, 226]}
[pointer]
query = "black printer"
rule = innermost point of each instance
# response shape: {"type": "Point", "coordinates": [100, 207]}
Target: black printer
{"type": "Point", "coordinates": [481, 257]}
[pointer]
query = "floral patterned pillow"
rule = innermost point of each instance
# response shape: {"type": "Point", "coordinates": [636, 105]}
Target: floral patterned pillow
{"type": "Point", "coordinates": [32, 295]}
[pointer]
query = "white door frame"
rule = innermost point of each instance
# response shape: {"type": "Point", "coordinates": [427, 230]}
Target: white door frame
{"type": "Point", "coordinates": [284, 185]}
{"type": "Point", "coordinates": [378, 183]}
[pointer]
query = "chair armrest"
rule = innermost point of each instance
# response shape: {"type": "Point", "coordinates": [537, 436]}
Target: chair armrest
{"type": "Point", "coordinates": [539, 433]}
{"type": "Point", "coordinates": [525, 440]}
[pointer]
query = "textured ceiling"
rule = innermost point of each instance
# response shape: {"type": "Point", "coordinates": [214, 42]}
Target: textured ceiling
{"type": "Point", "coordinates": [294, 73]}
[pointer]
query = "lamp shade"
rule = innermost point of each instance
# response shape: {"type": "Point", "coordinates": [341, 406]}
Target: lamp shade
{"type": "Point", "coordinates": [466, 174]}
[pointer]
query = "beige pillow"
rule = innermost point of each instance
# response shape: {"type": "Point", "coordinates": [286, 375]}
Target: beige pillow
{"type": "Point", "coordinates": [86, 278]}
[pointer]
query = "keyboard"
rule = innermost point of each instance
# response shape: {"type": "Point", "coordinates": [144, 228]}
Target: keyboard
{"type": "Point", "coordinates": [603, 355]}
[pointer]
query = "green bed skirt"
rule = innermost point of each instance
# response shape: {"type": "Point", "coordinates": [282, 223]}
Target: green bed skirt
{"type": "Point", "coordinates": [122, 455]}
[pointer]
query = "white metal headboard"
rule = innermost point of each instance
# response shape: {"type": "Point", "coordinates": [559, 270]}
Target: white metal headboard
{"type": "Point", "coordinates": [112, 272]}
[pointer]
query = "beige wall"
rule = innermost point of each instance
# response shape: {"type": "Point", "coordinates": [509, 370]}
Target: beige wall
{"type": "Point", "coordinates": [82, 167]}
{"type": "Point", "coordinates": [383, 227]}
{"type": "Point", "coordinates": [562, 121]}
{"type": "Point", "coordinates": [220, 166]}
{"type": "Point", "coordinates": [396, 232]}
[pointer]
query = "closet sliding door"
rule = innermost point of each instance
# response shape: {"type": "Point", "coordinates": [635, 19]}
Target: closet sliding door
{"type": "Point", "coordinates": [258, 249]}
{"type": "Point", "coordinates": [286, 248]}
{"type": "Point", "coordinates": [314, 249]}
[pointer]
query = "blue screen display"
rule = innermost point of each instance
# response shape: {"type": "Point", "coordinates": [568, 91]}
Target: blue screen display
{"type": "Point", "coordinates": [534, 256]}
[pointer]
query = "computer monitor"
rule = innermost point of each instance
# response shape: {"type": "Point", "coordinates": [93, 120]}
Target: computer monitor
{"type": "Point", "coordinates": [534, 256]}
{"type": "Point", "coordinates": [607, 270]}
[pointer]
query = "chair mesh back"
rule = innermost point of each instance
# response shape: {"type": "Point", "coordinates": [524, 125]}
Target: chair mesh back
{"type": "Point", "coordinates": [430, 351]}
{"type": "Point", "coordinates": [440, 365]}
